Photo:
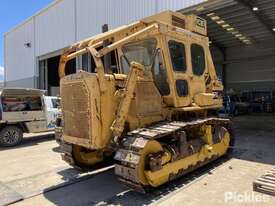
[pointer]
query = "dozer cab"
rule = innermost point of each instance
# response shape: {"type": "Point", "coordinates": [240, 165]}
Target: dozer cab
{"type": "Point", "coordinates": [149, 101]}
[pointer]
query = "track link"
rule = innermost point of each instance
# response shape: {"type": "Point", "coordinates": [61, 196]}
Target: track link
{"type": "Point", "coordinates": [67, 154]}
{"type": "Point", "coordinates": [65, 149]}
{"type": "Point", "coordinates": [70, 152]}
{"type": "Point", "coordinates": [128, 156]}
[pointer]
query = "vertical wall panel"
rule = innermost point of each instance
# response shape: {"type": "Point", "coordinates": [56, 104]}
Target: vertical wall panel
{"type": "Point", "coordinates": [176, 4]}
{"type": "Point", "coordinates": [124, 11]}
{"type": "Point", "coordinates": [19, 59]}
{"type": "Point", "coordinates": [251, 67]}
{"type": "Point", "coordinates": [91, 16]}
{"type": "Point", "coordinates": [55, 27]}
{"type": "Point", "coordinates": [218, 59]}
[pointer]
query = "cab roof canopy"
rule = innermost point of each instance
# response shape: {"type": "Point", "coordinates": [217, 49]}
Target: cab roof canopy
{"type": "Point", "coordinates": [189, 22]}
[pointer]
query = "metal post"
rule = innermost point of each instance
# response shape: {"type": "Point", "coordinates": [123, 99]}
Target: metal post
{"type": "Point", "coordinates": [107, 57]}
{"type": "Point", "coordinates": [224, 70]}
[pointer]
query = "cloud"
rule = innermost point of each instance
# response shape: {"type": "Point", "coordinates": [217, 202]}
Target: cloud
{"type": "Point", "coordinates": [1, 74]}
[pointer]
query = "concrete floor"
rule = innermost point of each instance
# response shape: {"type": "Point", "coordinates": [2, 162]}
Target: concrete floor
{"type": "Point", "coordinates": [34, 174]}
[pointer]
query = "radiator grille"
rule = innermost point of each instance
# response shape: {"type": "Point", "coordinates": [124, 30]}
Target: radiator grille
{"type": "Point", "coordinates": [75, 107]}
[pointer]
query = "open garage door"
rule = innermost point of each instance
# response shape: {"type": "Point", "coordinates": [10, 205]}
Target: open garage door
{"type": "Point", "coordinates": [48, 74]}
{"type": "Point", "coordinates": [242, 33]}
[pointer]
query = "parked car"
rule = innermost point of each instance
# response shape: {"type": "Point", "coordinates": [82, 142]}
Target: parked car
{"type": "Point", "coordinates": [233, 105]}
{"type": "Point", "coordinates": [25, 111]}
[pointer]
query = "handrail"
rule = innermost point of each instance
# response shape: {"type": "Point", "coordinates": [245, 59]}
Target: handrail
{"type": "Point", "coordinates": [97, 42]}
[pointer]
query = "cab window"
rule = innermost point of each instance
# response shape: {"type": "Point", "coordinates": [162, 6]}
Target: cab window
{"type": "Point", "coordinates": [198, 59]}
{"type": "Point", "coordinates": [160, 75]}
{"type": "Point", "coordinates": [55, 103]}
{"type": "Point", "coordinates": [18, 104]}
{"type": "Point", "coordinates": [142, 52]}
{"type": "Point", "coordinates": [177, 54]}
{"type": "Point", "coordinates": [182, 87]}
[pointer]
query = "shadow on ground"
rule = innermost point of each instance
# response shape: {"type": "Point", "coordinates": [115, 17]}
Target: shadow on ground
{"type": "Point", "coordinates": [104, 189]}
{"type": "Point", "coordinates": [255, 137]}
{"type": "Point", "coordinates": [31, 141]}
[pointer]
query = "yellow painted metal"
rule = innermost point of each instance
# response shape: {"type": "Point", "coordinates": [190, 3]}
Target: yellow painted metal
{"type": "Point", "coordinates": [159, 177]}
{"type": "Point", "coordinates": [152, 146]}
{"type": "Point", "coordinates": [127, 39]}
{"type": "Point", "coordinates": [87, 158]}
{"type": "Point", "coordinates": [166, 157]}
{"type": "Point", "coordinates": [206, 136]}
{"type": "Point", "coordinates": [128, 92]}
{"type": "Point", "coordinates": [189, 22]}
{"type": "Point", "coordinates": [98, 106]}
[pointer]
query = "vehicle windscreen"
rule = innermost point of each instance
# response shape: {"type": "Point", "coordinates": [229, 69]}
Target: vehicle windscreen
{"type": "Point", "coordinates": [17, 104]}
{"type": "Point", "coordinates": [142, 52]}
{"type": "Point", "coordinates": [56, 103]}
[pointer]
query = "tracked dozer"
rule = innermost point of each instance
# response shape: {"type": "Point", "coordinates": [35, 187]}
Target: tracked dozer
{"type": "Point", "coordinates": [149, 101]}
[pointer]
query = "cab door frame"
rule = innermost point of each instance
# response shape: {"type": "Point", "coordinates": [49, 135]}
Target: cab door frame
{"type": "Point", "coordinates": [178, 101]}
{"type": "Point", "coordinates": [198, 81]}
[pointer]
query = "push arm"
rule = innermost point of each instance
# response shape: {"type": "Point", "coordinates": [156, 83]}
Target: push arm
{"type": "Point", "coordinates": [126, 94]}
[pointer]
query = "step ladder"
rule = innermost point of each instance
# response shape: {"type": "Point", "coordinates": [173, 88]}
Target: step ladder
{"type": "Point", "coordinates": [266, 183]}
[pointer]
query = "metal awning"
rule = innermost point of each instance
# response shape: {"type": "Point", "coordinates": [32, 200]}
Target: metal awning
{"type": "Point", "coordinates": [237, 22]}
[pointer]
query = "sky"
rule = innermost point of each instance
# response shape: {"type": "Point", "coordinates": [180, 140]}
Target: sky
{"type": "Point", "coordinates": [13, 12]}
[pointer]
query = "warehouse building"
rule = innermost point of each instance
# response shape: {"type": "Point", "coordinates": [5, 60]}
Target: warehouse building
{"type": "Point", "coordinates": [32, 49]}
{"type": "Point", "coordinates": [242, 37]}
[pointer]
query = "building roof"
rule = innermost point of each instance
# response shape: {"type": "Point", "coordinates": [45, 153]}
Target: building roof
{"type": "Point", "coordinates": [237, 22]}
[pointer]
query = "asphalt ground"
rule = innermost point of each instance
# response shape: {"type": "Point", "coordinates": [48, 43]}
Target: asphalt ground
{"type": "Point", "coordinates": [34, 174]}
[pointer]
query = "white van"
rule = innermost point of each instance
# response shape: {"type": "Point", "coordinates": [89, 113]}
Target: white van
{"type": "Point", "coordinates": [25, 111]}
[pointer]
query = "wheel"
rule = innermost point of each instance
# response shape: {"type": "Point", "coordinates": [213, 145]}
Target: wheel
{"type": "Point", "coordinates": [10, 136]}
{"type": "Point", "coordinates": [151, 147]}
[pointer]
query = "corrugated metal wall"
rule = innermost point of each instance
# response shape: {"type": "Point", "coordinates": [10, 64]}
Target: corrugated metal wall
{"type": "Point", "coordinates": [218, 59]}
{"type": "Point", "coordinates": [90, 17]}
{"type": "Point", "coordinates": [175, 4]}
{"type": "Point", "coordinates": [67, 21]}
{"type": "Point", "coordinates": [55, 27]}
{"type": "Point", "coordinates": [251, 67]}
{"type": "Point", "coordinates": [19, 58]}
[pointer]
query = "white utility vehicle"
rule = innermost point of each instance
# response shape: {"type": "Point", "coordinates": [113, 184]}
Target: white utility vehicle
{"type": "Point", "coordinates": [25, 111]}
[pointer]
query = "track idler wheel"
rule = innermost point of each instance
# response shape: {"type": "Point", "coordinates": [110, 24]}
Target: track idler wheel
{"type": "Point", "coordinates": [152, 147]}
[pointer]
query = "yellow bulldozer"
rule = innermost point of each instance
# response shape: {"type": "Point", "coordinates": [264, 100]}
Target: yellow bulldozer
{"type": "Point", "coordinates": [150, 101]}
